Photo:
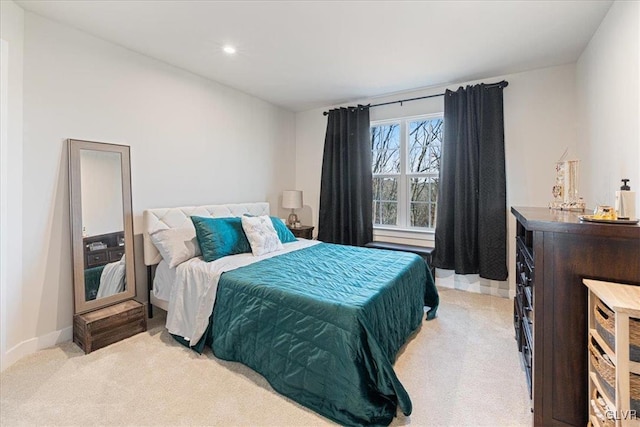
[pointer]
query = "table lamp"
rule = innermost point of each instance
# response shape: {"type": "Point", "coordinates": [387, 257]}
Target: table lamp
{"type": "Point", "coordinates": [292, 199]}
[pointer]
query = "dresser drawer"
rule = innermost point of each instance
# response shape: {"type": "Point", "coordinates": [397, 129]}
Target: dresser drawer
{"type": "Point", "coordinates": [523, 306]}
{"type": "Point", "coordinates": [527, 357]}
{"type": "Point", "coordinates": [97, 258]}
{"type": "Point", "coordinates": [517, 322]}
{"type": "Point", "coordinates": [115, 254]}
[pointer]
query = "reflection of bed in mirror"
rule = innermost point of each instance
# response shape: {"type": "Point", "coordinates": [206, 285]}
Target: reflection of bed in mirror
{"type": "Point", "coordinates": [104, 264]}
{"type": "Point", "coordinates": [106, 280]}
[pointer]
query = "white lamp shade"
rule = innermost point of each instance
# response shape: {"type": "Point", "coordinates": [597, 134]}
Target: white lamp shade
{"type": "Point", "coordinates": [292, 199]}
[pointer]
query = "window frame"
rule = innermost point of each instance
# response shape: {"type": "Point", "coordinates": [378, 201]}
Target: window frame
{"type": "Point", "coordinates": [404, 176]}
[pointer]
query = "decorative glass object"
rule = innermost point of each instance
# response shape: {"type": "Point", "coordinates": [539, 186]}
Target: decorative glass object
{"type": "Point", "coordinates": [565, 189]}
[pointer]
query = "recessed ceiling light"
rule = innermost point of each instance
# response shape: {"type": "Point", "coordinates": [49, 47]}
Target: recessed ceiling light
{"type": "Point", "coordinates": [229, 49]}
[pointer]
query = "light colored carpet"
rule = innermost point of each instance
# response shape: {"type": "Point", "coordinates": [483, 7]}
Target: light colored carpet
{"type": "Point", "coordinates": [461, 369]}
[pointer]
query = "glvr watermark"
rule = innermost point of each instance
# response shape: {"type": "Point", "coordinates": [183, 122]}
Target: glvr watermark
{"type": "Point", "coordinates": [629, 414]}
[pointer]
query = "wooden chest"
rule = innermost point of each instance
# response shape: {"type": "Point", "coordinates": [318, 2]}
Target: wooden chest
{"type": "Point", "coordinates": [105, 326]}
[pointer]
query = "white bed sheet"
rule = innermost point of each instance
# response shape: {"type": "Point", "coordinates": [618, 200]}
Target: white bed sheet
{"type": "Point", "coordinates": [193, 291]}
{"type": "Point", "coordinates": [163, 281]}
{"type": "Point", "coordinates": [112, 279]}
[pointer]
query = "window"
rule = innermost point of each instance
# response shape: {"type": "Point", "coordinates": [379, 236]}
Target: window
{"type": "Point", "coordinates": [405, 164]}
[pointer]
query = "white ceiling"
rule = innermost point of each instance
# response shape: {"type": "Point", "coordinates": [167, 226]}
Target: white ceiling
{"type": "Point", "coordinates": [302, 55]}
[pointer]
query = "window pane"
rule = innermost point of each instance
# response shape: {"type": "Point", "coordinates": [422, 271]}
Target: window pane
{"type": "Point", "coordinates": [419, 214]}
{"type": "Point", "coordinates": [425, 142]}
{"type": "Point", "coordinates": [376, 212]}
{"type": "Point", "coordinates": [419, 190]}
{"type": "Point", "coordinates": [385, 148]}
{"type": "Point", "coordinates": [385, 189]}
{"type": "Point", "coordinates": [432, 215]}
{"type": "Point", "coordinates": [389, 213]}
{"type": "Point", "coordinates": [423, 214]}
{"type": "Point", "coordinates": [423, 194]}
{"type": "Point", "coordinates": [385, 201]}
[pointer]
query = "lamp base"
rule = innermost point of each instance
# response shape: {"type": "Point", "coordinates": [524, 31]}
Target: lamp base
{"type": "Point", "coordinates": [293, 218]}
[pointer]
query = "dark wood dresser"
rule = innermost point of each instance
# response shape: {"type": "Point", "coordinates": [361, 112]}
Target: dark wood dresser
{"type": "Point", "coordinates": [103, 249]}
{"type": "Point", "coordinates": [554, 252]}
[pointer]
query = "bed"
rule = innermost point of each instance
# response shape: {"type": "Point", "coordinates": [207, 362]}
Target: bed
{"type": "Point", "coordinates": [322, 323]}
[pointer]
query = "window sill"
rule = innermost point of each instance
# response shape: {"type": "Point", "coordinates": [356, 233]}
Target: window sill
{"type": "Point", "coordinates": [403, 233]}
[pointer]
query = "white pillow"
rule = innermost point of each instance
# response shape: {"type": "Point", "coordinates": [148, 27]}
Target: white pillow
{"type": "Point", "coordinates": [176, 245]}
{"type": "Point", "coordinates": [262, 237]}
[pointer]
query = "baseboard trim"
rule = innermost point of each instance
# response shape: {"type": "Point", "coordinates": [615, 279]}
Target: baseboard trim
{"type": "Point", "coordinates": [33, 345]}
{"type": "Point", "coordinates": [473, 283]}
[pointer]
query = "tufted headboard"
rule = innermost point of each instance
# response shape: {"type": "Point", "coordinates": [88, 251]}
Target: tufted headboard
{"type": "Point", "coordinates": [165, 218]}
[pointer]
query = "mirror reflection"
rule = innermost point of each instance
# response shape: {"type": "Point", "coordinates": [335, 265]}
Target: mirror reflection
{"type": "Point", "coordinates": [102, 223]}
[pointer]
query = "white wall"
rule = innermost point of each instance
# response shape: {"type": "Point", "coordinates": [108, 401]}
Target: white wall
{"type": "Point", "coordinates": [540, 122]}
{"type": "Point", "coordinates": [193, 141]}
{"type": "Point", "coordinates": [4, 187]}
{"type": "Point", "coordinates": [11, 331]}
{"type": "Point", "coordinates": [608, 75]}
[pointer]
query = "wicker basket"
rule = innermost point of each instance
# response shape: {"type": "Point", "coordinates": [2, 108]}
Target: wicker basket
{"type": "Point", "coordinates": [606, 373]}
{"type": "Point", "coordinates": [602, 412]}
{"type": "Point", "coordinates": [606, 326]}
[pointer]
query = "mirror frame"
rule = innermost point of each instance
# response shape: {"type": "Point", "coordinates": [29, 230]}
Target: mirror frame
{"type": "Point", "coordinates": [75, 204]}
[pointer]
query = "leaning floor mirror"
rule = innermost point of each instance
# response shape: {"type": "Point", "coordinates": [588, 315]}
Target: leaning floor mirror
{"type": "Point", "coordinates": [101, 224]}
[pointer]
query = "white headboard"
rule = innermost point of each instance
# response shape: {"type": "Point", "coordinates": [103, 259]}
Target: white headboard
{"type": "Point", "coordinates": [162, 219]}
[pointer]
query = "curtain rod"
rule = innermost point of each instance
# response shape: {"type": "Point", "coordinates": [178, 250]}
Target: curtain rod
{"type": "Point", "coordinates": [501, 84]}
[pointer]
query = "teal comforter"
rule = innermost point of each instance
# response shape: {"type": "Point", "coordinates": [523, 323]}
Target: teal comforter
{"type": "Point", "coordinates": [324, 324]}
{"type": "Point", "coordinates": [92, 282]}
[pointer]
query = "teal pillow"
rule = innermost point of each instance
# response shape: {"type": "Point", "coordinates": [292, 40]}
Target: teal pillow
{"type": "Point", "coordinates": [284, 234]}
{"type": "Point", "coordinates": [219, 237]}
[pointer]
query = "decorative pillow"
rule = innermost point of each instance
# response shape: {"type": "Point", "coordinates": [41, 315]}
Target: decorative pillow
{"type": "Point", "coordinates": [176, 245]}
{"type": "Point", "coordinates": [284, 234]}
{"type": "Point", "coordinates": [261, 234]}
{"type": "Point", "coordinates": [219, 237]}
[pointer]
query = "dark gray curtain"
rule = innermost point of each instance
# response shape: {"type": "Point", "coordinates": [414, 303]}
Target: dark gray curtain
{"type": "Point", "coordinates": [346, 194]}
{"type": "Point", "coordinates": [471, 228]}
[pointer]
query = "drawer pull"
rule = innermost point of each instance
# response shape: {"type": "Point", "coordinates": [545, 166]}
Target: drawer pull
{"type": "Point", "coordinates": [524, 279]}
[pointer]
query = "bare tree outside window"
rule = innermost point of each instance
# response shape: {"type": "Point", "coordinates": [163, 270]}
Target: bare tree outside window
{"type": "Point", "coordinates": [425, 144]}
{"type": "Point", "coordinates": [406, 154]}
{"type": "Point", "coordinates": [385, 148]}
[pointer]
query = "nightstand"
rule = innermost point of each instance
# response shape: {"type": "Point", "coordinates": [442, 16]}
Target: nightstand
{"type": "Point", "coordinates": [304, 231]}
